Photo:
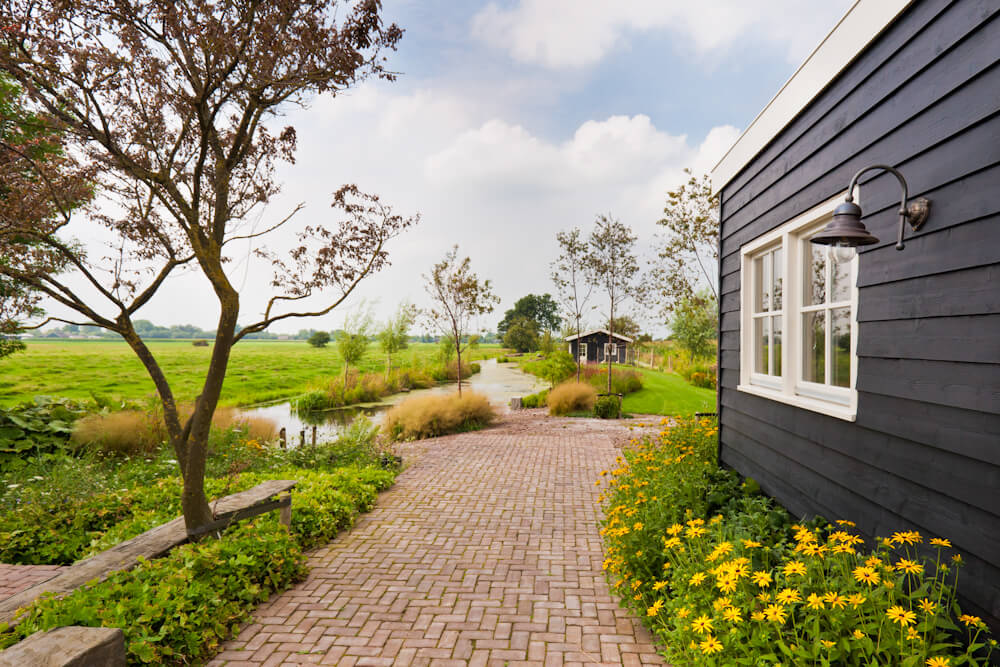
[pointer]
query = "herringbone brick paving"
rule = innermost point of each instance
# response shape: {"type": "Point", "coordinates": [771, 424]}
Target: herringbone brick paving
{"type": "Point", "coordinates": [485, 552]}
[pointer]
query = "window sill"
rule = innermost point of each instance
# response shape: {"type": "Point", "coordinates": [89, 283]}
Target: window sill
{"type": "Point", "coordinates": [822, 407]}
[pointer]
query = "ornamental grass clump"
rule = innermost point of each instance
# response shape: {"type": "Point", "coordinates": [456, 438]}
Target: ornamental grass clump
{"type": "Point", "coordinates": [438, 414]}
{"type": "Point", "coordinates": [722, 576]}
{"type": "Point", "coordinates": [571, 397]}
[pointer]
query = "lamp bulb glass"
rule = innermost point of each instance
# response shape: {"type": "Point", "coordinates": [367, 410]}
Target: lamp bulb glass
{"type": "Point", "coordinates": [843, 253]}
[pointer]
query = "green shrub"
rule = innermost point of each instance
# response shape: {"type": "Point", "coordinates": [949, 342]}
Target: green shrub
{"type": "Point", "coordinates": [571, 397]}
{"type": "Point", "coordinates": [535, 400]}
{"type": "Point", "coordinates": [607, 407]}
{"type": "Point", "coordinates": [437, 414]}
{"type": "Point", "coordinates": [179, 608]}
{"type": "Point", "coordinates": [557, 367]}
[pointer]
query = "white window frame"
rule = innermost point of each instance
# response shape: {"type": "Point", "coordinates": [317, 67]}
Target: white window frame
{"type": "Point", "coordinates": [582, 350]}
{"type": "Point", "coordinates": [840, 402]}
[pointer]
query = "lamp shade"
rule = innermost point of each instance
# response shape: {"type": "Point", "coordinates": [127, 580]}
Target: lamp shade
{"type": "Point", "coordinates": [845, 229]}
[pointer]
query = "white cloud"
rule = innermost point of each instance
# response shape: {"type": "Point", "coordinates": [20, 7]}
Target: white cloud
{"type": "Point", "coordinates": [496, 188]}
{"type": "Point", "coordinates": [576, 33]}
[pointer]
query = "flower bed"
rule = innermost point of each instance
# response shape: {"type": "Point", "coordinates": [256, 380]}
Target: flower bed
{"type": "Point", "coordinates": [179, 608]}
{"type": "Point", "coordinates": [721, 575]}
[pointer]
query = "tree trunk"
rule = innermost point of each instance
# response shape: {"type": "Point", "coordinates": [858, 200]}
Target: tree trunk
{"type": "Point", "coordinates": [388, 366]}
{"type": "Point", "coordinates": [197, 512]}
{"type": "Point", "coordinates": [611, 334]}
{"type": "Point", "coordinates": [458, 355]}
{"type": "Point", "coordinates": [578, 364]}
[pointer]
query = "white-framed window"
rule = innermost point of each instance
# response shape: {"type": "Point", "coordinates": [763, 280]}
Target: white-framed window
{"type": "Point", "coordinates": [610, 350]}
{"type": "Point", "coordinates": [798, 318]}
{"type": "Point", "coordinates": [583, 350]}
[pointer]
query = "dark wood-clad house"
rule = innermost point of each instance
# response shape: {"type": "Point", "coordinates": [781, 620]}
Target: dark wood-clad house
{"type": "Point", "coordinates": [595, 347]}
{"type": "Point", "coordinates": [865, 384]}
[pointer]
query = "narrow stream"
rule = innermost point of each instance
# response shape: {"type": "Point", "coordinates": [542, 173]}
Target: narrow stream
{"type": "Point", "coordinates": [499, 382]}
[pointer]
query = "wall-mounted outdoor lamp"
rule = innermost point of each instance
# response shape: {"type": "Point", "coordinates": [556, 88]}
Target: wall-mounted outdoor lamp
{"type": "Point", "coordinates": [846, 231]}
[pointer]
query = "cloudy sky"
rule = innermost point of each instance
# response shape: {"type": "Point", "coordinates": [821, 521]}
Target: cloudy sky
{"type": "Point", "coordinates": [515, 119]}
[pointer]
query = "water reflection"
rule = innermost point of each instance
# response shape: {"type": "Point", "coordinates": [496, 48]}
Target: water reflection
{"type": "Point", "coordinates": [499, 382]}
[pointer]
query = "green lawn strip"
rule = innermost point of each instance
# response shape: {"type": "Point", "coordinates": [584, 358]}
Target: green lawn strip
{"type": "Point", "coordinates": [668, 394]}
{"type": "Point", "coordinates": [258, 370]}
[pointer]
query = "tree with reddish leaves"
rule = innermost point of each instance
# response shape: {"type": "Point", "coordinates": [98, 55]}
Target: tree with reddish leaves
{"type": "Point", "coordinates": [169, 105]}
{"type": "Point", "coordinates": [457, 295]}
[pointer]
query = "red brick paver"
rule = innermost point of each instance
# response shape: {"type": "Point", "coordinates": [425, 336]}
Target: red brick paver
{"type": "Point", "coordinates": [485, 552]}
{"type": "Point", "coordinates": [16, 578]}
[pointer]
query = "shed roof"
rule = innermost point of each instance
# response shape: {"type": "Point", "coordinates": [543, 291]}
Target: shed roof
{"type": "Point", "coordinates": [593, 331]}
{"type": "Point", "coordinates": [863, 22]}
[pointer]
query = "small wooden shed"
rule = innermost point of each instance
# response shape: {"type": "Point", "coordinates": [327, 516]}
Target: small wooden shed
{"type": "Point", "coordinates": [594, 347]}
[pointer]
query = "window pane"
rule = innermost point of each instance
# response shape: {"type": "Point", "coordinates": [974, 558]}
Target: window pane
{"type": "Point", "coordinates": [758, 284]}
{"type": "Point", "coordinates": [813, 347]}
{"type": "Point", "coordinates": [814, 280]}
{"type": "Point", "coordinates": [760, 345]}
{"type": "Point", "coordinates": [840, 333]}
{"type": "Point", "coordinates": [776, 327]}
{"type": "Point", "coordinates": [777, 273]}
{"type": "Point", "coordinates": [840, 287]}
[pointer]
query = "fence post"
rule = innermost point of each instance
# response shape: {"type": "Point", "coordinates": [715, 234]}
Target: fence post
{"type": "Point", "coordinates": [302, 438]}
{"type": "Point", "coordinates": [314, 435]}
{"type": "Point", "coordinates": [283, 438]}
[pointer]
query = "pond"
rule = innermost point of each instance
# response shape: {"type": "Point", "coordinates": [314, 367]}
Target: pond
{"type": "Point", "coordinates": [499, 382]}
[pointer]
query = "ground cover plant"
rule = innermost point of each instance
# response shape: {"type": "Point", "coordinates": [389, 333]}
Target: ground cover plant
{"type": "Point", "coordinates": [438, 414]}
{"type": "Point", "coordinates": [176, 610]}
{"type": "Point", "coordinates": [258, 370]}
{"type": "Point", "coordinates": [36, 428]}
{"type": "Point", "coordinates": [722, 575]}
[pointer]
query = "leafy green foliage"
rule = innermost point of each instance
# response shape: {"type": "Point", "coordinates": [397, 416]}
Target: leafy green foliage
{"type": "Point", "coordinates": [538, 400]}
{"type": "Point", "coordinates": [179, 608]}
{"type": "Point", "coordinates": [522, 335]}
{"type": "Point", "coordinates": [558, 366]}
{"type": "Point", "coordinates": [319, 339]}
{"type": "Point", "coordinates": [41, 427]}
{"type": "Point", "coordinates": [694, 324]}
{"type": "Point", "coordinates": [607, 407]}
{"type": "Point", "coordinates": [539, 310]}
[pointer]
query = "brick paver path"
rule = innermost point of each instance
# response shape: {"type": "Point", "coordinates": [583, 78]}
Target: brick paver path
{"type": "Point", "coordinates": [17, 578]}
{"type": "Point", "coordinates": [485, 552]}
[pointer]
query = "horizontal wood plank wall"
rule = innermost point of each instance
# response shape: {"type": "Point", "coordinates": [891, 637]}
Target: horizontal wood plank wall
{"type": "Point", "coordinates": [924, 452]}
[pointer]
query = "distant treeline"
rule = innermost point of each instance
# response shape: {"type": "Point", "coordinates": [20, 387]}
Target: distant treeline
{"type": "Point", "coordinates": [148, 330]}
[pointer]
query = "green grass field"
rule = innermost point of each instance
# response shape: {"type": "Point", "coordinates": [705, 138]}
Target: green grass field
{"type": "Point", "coordinates": [668, 394]}
{"type": "Point", "coordinates": [258, 370]}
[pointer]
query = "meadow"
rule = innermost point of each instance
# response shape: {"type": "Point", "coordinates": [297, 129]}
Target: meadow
{"type": "Point", "coordinates": [258, 370]}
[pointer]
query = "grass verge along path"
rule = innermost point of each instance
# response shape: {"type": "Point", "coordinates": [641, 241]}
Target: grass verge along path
{"type": "Point", "coordinates": [668, 394]}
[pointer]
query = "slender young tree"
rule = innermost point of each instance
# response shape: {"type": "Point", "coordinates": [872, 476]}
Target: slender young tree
{"type": "Point", "coordinates": [352, 341]}
{"type": "Point", "coordinates": [395, 333]}
{"type": "Point", "coordinates": [689, 254]}
{"type": "Point", "coordinates": [613, 268]}
{"type": "Point", "coordinates": [570, 276]}
{"type": "Point", "coordinates": [172, 103]}
{"type": "Point", "coordinates": [458, 295]}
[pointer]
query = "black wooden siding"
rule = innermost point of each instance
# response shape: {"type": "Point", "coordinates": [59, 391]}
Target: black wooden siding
{"type": "Point", "coordinates": [595, 348]}
{"type": "Point", "coordinates": [924, 452]}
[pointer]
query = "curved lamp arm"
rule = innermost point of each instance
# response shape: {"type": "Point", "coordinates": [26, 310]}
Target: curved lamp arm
{"type": "Point", "coordinates": [915, 212]}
